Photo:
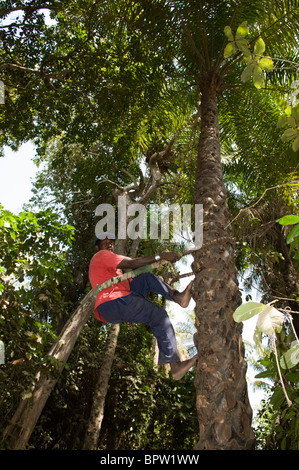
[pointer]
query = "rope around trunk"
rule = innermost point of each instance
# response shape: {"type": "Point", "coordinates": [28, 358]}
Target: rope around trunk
{"type": "Point", "coordinates": [148, 268]}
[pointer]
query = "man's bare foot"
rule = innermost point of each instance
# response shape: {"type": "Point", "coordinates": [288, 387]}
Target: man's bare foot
{"type": "Point", "coordinates": [183, 298]}
{"type": "Point", "coordinates": [179, 369]}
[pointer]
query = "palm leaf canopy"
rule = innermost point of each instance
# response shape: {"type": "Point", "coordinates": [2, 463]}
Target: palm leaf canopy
{"type": "Point", "coordinates": [254, 154]}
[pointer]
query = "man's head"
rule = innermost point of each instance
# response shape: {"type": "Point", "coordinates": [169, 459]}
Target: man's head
{"type": "Point", "coordinates": [104, 241]}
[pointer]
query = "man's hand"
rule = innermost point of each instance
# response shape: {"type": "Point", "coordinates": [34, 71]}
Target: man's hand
{"type": "Point", "coordinates": [171, 257]}
{"type": "Point", "coordinates": [139, 262]}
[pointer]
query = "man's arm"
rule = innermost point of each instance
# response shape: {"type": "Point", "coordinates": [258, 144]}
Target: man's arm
{"type": "Point", "coordinates": [134, 263]}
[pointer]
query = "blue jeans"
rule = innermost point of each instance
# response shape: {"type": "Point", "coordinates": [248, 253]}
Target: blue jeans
{"type": "Point", "coordinates": [135, 308]}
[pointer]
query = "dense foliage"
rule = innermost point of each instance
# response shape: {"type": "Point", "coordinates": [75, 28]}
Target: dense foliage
{"type": "Point", "coordinates": [100, 87]}
{"type": "Point", "coordinates": [34, 273]}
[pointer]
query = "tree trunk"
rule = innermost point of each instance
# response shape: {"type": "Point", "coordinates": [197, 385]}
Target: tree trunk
{"type": "Point", "coordinates": [101, 388]}
{"type": "Point", "coordinates": [97, 409]}
{"type": "Point", "coordinates": [21, 426]}
{"type": "Point", "coordinates": [223, 409]}
{"type": "Point", "coordinates": [19, 430]}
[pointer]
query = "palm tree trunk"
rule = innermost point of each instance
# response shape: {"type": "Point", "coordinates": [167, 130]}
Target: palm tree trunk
{"type": "Point", "coordinates": [223, 409]}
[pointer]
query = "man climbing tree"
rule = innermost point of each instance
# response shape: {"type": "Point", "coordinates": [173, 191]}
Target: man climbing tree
{"type": "Point", "coordinates": [126, 301]}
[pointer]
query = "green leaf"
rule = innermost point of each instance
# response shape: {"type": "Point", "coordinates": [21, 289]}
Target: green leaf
{"type": "Point", "coordinates": [293, 377]}
{"type": "Point", "coordinates": [283, 443]}
{"type": "Point", "coordinates": [296, 144]}
{"type": "Point", "coordinates": [288, 220]}
{"type": "Point", "coordinates": [294, 233]}
{"type": "Point", "coordinates": [294, 245]}
{"type": "Point", "coordinates": [288, 134]}
{"type": "Point", "coordinates": [290, 358]}
{"type": "Point", "coordinates": [266, 374]}
{"type": "Point", "coordinates": [292, 122]}
{"type": "Point", "coordinates": [277, 399]}
{"type": "Point", "coordinates": [246, 74]}
{"type": "Point", "coordinates": [266, 63]}
{"type": "Point", "coordinates": [242, 30]}
{"type": "Point", "coordinates": [258, 77]}
{"type": "Point", "coordinates": [229, 50]}
{"type": "Point", "coordinates": [295, 111]}
{"type": "Point", "coordinates": [228, 33]}
{"type": "Point", "coordinates": [259, 47]}
{"type": "Point", "coordinates": [282, 121]}
{"type": "Point", "coordinates": [248, 310]}
{"type": "Point", "coordinates": [242, 44]}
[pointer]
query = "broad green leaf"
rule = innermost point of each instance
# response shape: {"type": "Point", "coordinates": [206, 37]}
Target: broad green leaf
{"type": "Point", "coordinates": [296, 144]}
{"type": "Point", "coordinates": [292, 122]}
{"type": "Point", "coordinates": [290, 358]}
{"type": "Point", "coordinates": [228, 33]}
{"type": "Point", "coordinates": [266, 63]}
{"type": "Point", "coordinates": [288, 134]}
{"type": "Point", "coordinates": [277, 399]}
{"type": "Point", "coordinates": [282, 121]}
{"type": "Point", "coordinates": [295, 111]}
{"type": "Point", "coordinates": [294, 245]}
{"type": "Point", "coordinates": [294, 233]}
{"type": "Point", "coordinates": [248, 310]}
{"type": "Point", "coordinates": [258, 77]}
{"type": "Point", "coordinates": [270, 321]}
{"type": "Point", "coordinates": [242, 30]}
{"type": "Point", "coordinates": [242, 44]}
{"type": "Point", "coordinates": [288, 220]}
{"type": "Point", "coordinates": [293, 377]}
{"type": "Point", "coordinates": [229, 50]}
{"type": "Point", "coordinates": [259, 47]}
{"type": "Point", "coordinates": [246, 74]}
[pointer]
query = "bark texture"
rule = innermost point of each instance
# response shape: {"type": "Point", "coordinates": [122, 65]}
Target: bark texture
{"type": "Point", "coordinates": [98, 404]}
{"type": "Point", "coordinates": [223, 409]}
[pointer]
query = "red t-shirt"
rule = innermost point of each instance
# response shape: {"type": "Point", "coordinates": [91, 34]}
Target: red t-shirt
{"type": "Point", "coordinates": [103, 266]}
